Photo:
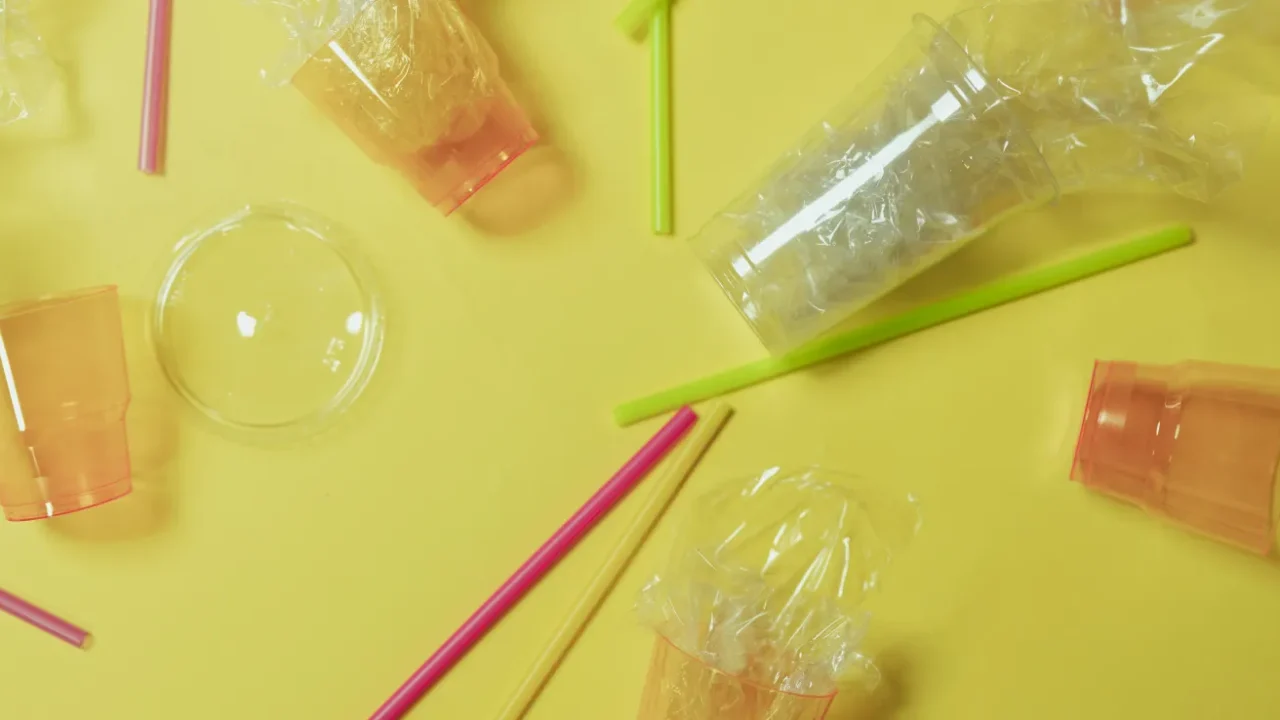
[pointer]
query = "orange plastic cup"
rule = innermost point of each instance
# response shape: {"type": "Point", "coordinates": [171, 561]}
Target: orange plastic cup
{"type": "Point", "coordinates": [1197, 443]}
{"type": "Point", "coordinates": [417, 86]}
{"type": "Point", "coordinates": [63, 445]}
{"type": "Point", "coordinates": [682, 687]}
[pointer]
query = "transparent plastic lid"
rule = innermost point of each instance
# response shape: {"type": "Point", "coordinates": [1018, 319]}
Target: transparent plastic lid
{"type": "Point", "coordinates": [268, 322]}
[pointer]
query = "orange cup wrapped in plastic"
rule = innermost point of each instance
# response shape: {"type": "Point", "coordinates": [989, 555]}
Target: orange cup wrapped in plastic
{"type": "Point", "coordinates": [63, 444]}
{"type": "Point", "coordinates": [416, 85]}
{"type": "Point", "coordinates": [758, 612]}
{"type": "Point", "coordinates": [682, 687]}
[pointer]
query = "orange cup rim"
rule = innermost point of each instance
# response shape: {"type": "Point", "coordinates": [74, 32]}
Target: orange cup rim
{"type": "Point", "coordinates": [1084, 419]}
{"type": "Point", "coordinates": [46, 302]}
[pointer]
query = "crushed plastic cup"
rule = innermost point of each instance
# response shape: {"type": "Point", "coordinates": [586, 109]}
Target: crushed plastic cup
{"type": "Point", "coordinates": [759, 610]}
{"type": "Point", "coordinates": [922, 158]}
{"type": "Point", "coordinates": [417, 86]}
{"type": "Point", "coordinates": [1197, 443]}
{"type": "Point", "coordinates": [63, 443]}
{"type": "Point", "coordinates": [682, 687]}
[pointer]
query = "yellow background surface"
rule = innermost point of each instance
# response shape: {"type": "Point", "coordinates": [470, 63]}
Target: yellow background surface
{"type": "Point", "coordinates": [247, 582]}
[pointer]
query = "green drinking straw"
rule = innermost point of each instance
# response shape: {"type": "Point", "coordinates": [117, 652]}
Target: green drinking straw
{"type": "Point", "coordinates": [660, 50]}
{"type": "Point", "coordinates": [637, 14]}
{"type": "Point", "coordinates": [656, 15]}
{"type": "Point", "coordinates": [982, 298]}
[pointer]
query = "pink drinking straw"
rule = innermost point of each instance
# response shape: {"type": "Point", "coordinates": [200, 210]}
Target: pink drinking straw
{"type": "Point", "coordinates": [47, 622]}
{"type": "Point", "coordinates": [155, 93]}
{"type": "Point", "coordinates": [535, 567]}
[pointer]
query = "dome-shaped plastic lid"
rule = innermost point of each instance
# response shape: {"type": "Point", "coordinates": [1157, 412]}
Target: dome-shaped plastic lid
{"type": "Point", "coordinates": [268, 322]}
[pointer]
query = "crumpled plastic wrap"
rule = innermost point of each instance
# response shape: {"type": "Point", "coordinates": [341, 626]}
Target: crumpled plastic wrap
{"type": "Point", "coordinates": [27, 74]}
{"type": "Point", "coordinates": [1003, 107]}
{"type": "Point", "coordinates": [759, 610]}
{"type": "Point", "coordinates": [1128, 93]}
{"type": "Point", "coordinates": [410, 72]}
{"type": "Point", "coordinates": [414, 83]}
{"type": "Point", "coordinates": [310, 25]}
{"type": "Point", "coordinates": [923, 157]}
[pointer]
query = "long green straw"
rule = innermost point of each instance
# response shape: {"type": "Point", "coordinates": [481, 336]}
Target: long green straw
{"type": "Point", "coordinates": [982, 298]}
{"type": "Point", "coordinates": [656, 15]}
{"type": "Point", "coordinates": [660, 51]}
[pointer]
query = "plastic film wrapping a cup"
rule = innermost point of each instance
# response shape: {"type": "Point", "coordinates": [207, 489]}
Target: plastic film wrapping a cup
{"type": "Point", "coordinates": [1000, 109]}
{"type": "Point", "coordinates": [27, 74]}
{"type": "Point", "coordinates": [413, 83]}
{"type": "Point", "coordinates": [759, 611]}
{"type": "Point", "coordinates": [924, 156]}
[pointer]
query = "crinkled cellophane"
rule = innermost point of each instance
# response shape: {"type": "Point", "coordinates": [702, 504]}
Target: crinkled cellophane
{"type": "Point", "coordinates": [416, 85]}
{"type": "Point", "coordinates": [759, 611]}
{"type": "Point", "coordinates": [27, 74]}
{"type": "Point", "coordinates": [1012, 103]}
{"type": "Point", "coordinates": [923, 158]}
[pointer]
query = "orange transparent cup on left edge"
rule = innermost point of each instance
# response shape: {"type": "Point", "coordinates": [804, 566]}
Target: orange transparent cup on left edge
{"type": "Point", "coordinates": [63, 444]}
{"type": "Point", "coordinates": [416, 85]}
{"type": "Point", "coordinates": [682, 687]}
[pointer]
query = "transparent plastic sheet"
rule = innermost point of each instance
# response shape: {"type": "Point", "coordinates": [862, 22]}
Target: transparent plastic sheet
{"type": "Point", "coordinates": [1129, 93]}
{"type": "Point", "coordinates": [414, 83]}
{"type": "Point", "coordinates": [922, 158]}
{"type": "Point", "coordinates": [759, 610]}
{"type": "Point", "coordinates": [310, 25]}
{"type": "Point", "coordinates": [27, 74]}
{"type": "Point", "coordinates": [420, 62]}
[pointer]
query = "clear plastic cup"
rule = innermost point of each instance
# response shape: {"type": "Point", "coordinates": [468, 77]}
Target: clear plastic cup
{"type": "Point", "coordinates": [682, 687]}
{"type": "Point", "coordinates": [922, 158]}
{"type": "Point", "coordinates": [63, 444]}
{"type": "Point", "coordinates": [415, 85]}
{"type": "Point", "coordinates": [1196, 442]}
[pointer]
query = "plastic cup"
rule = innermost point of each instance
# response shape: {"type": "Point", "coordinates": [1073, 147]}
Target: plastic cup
{"type": "Point", "coordinates": [1197, 443]}
{"type": "Point", "coordinates": [682, 687]}
{"type": "Point", "coordinates": [922, 158]}
{"type": "Point", "coordinates": [415, 85]}
{"type": "Point", "coordinates": [63, 445]}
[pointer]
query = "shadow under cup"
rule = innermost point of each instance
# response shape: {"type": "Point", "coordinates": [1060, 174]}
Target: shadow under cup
{"type": "Point", "coordinates": [418, 87]}
{"type": "Point", "coordinates": [63, 443]}
{"type": "Point", "coordinates": [682, 687]}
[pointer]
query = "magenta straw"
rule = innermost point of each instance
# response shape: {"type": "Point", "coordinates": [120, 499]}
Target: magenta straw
{"type": "Point", "coordinates": [535, 568]}
{"type": "Point", "coordinates": [155, 94]}
{"type": "Point", "coordinates": [47, 622]}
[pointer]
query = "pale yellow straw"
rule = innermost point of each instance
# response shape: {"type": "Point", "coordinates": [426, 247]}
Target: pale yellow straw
{"type": "Point", "coordinates": [603, 582]}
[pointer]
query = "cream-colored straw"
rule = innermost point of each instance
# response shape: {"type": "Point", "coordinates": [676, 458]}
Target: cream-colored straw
{"type": "Point", "coordinates": [603, 582]}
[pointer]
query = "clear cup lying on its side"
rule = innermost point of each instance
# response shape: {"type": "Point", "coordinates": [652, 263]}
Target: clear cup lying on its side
{"type": "Point", "coordinates": [922, 158]}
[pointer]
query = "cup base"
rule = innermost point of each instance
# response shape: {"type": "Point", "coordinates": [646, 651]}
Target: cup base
{"type": "Point", "coordinates": [683, 687]}
{"type": "Point", "coordinates": [70, 503]}
{"type": "Point", "coordinates": [449, 172]}
{"type": "Point", "coordinates": [485, 172]}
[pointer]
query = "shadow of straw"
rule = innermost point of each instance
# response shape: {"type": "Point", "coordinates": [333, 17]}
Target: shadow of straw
{"type": "Point", "coordinates": [153, 443]}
